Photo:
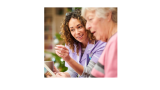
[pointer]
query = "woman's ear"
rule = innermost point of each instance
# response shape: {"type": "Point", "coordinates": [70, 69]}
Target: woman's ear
{"type": "Point", "coordinates": [109, 16]}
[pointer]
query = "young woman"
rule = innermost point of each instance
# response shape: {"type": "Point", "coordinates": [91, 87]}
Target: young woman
{"type": "Point", "coordinates": [81, 51]}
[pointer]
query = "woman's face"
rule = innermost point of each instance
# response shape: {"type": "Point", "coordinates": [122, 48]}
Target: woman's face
{"type": "Point", "coordinates": [78, 30]}
{"type": "Point", "coordinates": [97, 26]}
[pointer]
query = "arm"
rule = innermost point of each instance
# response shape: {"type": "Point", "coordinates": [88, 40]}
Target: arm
{"type": "Point", "coordinates": [57, 73]}
{"type": "Point", "coordinates": [64, 53]}
{"type": "Point", "coordinates": [87, 70]}
{"type": "Point", "coordinates": [77, 67]}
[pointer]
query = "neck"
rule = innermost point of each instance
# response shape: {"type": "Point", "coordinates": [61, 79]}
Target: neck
{"type": "Point", "coordinates": [84, 44]}
{"type": "Point", "coordinates": [114, 28]}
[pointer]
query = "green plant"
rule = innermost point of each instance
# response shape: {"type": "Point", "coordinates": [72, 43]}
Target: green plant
{"type": "Point", "coordinates": [61, 66]}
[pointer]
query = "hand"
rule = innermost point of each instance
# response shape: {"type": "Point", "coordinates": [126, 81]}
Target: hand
{"type": "Point", "coordinates": [58, 75]}
{"type": "Point", "coordinates": [62, 52]}
{"type": "Point", "coordinates": [61, 75]}
{"type": "Point", "coordinates": [55, 70]}
{"type": "Point", "coordinates": [48, 74]}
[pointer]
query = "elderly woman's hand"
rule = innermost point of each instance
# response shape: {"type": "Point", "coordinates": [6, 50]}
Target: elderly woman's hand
{"type": "Point", "coordinates": [62, 52]}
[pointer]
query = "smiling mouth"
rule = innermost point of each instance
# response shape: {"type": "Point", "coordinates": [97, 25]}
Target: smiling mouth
{"type": "Point", "coordinates": [80, 36]}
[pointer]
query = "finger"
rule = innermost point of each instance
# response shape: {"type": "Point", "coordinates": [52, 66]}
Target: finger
{"type": "Point", "coordinates": [61, 46]}
{"type": "Point", "coordinates": [57, 52]}
{"type": "Point", "coordinates": [65, 48]}
{"type": "Point", "coordinates": [63, 51]}
{"type": "Point", "coordinates": [61, 54]}
{"type": "Point", "coordinates": [55, 69]}
{"type": "Point", "coordinates": [57, 48]}
{"type": "Point", "coordinates": [48, 76]}
{"type": "Point", "coordinates": [55, 73]}
{"type": "Point", "coordinates": [60, 76]}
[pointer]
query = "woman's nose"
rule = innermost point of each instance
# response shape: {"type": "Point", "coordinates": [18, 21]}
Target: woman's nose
{"type": "Point", "coordinates": [76, 31]}
{"type": "Point", "coordinates": [88, 26]}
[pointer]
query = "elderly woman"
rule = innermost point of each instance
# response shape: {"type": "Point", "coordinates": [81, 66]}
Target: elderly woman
{"type": "Point", "coordinates": [82, 50]}
{"type": "Point", "coordinates": [102, 22]}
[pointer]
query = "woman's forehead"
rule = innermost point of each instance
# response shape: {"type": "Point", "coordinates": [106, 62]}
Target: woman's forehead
{"type": "Point", "coordinates": [74, 22]}
{"type": "Point", "coordinates": [89, 13]}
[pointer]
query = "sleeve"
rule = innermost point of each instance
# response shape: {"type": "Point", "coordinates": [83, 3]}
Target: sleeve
{"type": "Point", "coordinates": [99, 48]}
{"type": "Point", "coordinates": [87, 70]}
{"type": "Point", "coordinates": [72, 73]}
{"type": "Point", "coordinates": [94, 58]}
{"type": "Point", "coordinates": [98, 70]}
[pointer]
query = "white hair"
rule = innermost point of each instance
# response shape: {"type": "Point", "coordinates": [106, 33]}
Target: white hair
{"type": "Point", "coordinates": [101, 12]}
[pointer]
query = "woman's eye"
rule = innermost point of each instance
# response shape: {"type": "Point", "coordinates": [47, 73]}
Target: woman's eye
{"type": "Point", "coordinates": [72, 29]}
{"type": "Point", "coordinates": [90, 19]}
{"type": "Point", "coordinates": [79, 26]}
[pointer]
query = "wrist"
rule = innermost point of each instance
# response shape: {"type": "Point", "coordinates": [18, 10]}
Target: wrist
{"type": "Point", "coordinates": [68, 59]}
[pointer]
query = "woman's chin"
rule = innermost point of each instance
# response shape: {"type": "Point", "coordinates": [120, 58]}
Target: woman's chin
{"type": "Point", "coordinates": [98, 38]}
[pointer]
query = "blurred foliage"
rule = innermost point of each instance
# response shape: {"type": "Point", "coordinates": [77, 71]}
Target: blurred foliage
{"type": "Point", "coordinates": [58, 36]}
{"type": "Point", "coordinates": [71, 8]}
{"type": "Point", "coordinates": [78, 8]}
{"type": "Point", "coordinates": [61, 66]}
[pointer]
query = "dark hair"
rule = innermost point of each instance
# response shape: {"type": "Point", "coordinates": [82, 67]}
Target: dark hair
{"type": "Point", "coordinates": [66, 34]}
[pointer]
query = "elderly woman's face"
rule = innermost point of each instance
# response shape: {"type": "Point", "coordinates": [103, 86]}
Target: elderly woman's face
{"type": "Point", "coordinates": [77, 30]}
{"type": "Point", "coordinates": [97, 26]}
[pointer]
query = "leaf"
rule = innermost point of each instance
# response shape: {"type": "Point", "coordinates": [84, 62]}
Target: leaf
{"type": "Point", "coordinates": [64, 69]}
{"type": "Point", "coordinates": [78, 8]}
{"type": "Point", "coordinates": [58, 36]}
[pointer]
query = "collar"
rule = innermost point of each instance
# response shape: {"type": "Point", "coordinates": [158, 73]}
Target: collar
{"type": "Point", "coordinates": [90, 46]}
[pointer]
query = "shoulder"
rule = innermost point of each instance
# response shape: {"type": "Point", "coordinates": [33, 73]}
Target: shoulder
{"type": "Point", "coordinates": [112, 40]}
{"type": "Point", "coordinates": [112, 44]}
{"type": "Point", "coordinates": [99, 44]}
{"type": "Point", "coordinates": [98, 47]}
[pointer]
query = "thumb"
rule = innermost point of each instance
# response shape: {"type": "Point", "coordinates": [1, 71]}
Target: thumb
{"type": "Point", "coordinates": [55, 69]}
